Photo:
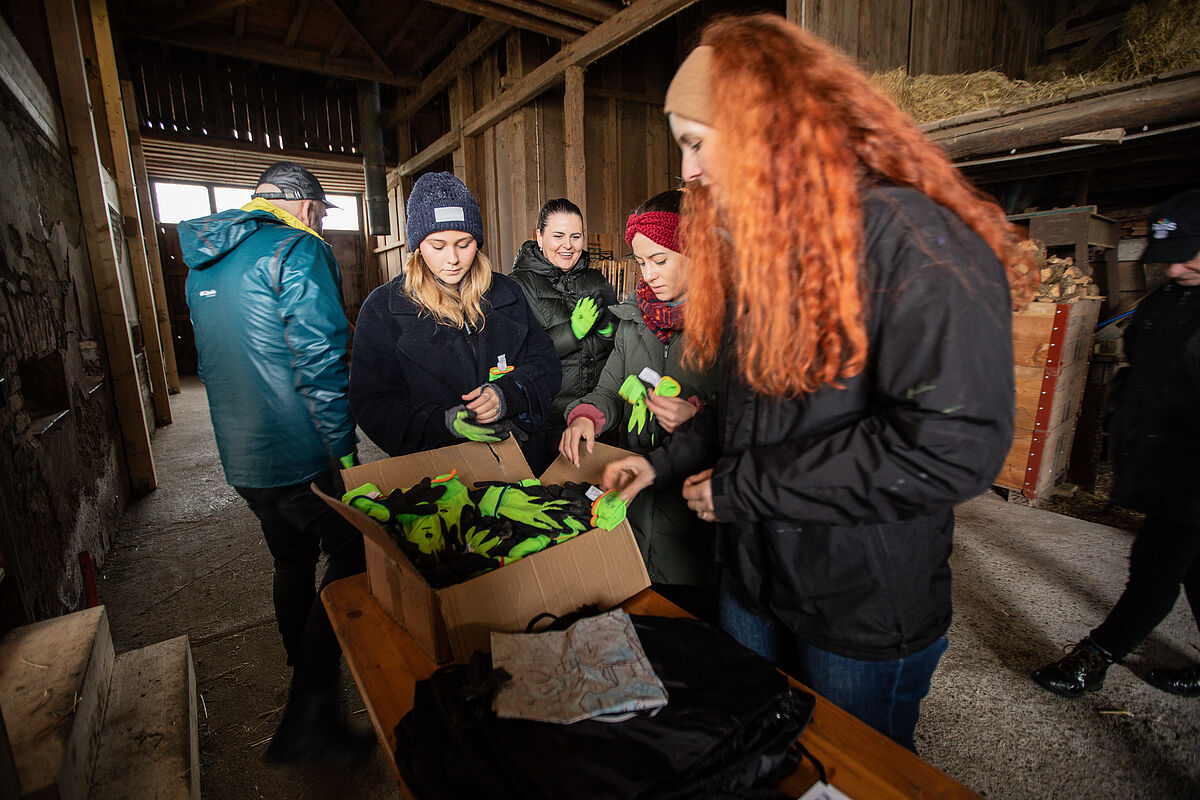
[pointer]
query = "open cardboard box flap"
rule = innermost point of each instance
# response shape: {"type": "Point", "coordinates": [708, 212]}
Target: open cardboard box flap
{"type": "Point", "coordinates": [601, 567]}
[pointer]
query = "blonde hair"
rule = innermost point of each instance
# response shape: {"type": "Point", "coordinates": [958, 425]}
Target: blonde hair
{"type": "Point", "coordinates": [458, 306]}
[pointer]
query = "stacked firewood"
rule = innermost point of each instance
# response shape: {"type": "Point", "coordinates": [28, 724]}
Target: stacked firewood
{"type": "Point", "coordinates": [1059, 280]}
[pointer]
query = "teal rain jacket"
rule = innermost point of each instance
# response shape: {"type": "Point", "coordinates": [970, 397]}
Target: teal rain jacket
{"type": "Point", "coordinates": [265, 299]}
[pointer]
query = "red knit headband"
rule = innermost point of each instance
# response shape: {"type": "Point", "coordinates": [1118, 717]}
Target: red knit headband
{"type": "Point", "coordinates": [660, 227]}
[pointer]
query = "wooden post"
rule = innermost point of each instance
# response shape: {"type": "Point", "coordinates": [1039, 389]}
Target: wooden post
{"type": "Point", "coordinates": [110, 85]}
{"type": "Point", "coordinates": [150, 236]}
{"type": "Point", "coordinates": [573, 138]}
{"type": "Point", "coordinates": [795, 12]}
{"type": "Point", "coordinates": [85, 156]}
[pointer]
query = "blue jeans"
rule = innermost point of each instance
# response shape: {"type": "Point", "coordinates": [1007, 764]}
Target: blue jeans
{"type": "Point", "coordinates": [884, 694]}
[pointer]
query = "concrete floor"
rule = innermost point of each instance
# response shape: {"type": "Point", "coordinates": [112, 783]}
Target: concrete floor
{"type": "Point", "coordinates": [190, 559]}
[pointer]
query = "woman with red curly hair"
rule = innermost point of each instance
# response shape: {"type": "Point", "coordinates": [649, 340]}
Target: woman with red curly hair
{"type": "Point", "coordinates": [851, 288]}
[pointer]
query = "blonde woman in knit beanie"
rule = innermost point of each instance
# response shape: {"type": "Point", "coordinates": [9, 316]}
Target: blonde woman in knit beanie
{"type": "Point", "coordinates": [645, 408]}
{"type": "Point", "coordinates": [449, 351]}
{"type": "Point", "coordinates": [853, 289]}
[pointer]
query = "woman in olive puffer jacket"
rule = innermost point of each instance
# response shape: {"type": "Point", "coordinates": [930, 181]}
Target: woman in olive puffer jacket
{"type": "Point", "coordinates": [554, 273]}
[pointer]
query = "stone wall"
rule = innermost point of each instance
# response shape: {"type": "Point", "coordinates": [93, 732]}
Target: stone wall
{"type": "Point", "coordinates": [65, 481]}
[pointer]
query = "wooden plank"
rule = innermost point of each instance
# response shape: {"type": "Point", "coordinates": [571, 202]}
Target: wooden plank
{"type": "Point", "coordinates": [22, 79]}
{"type": "Point", "coordinates": [599, 10]}
{"type": "Point", "coordinates": [1169, 101]}
{"type": "Point", "coordinates": [270, 52]}
{"type": "Point", "coordinates": [517, 19]}
{"type": "Point", "coordinates": [551, 12]}
{"type": "Point", "coordinates": [573, 143]}
{"type": "Point", "coordinates": [471, 48]}
{"type": "Point", "coordinates": [195, 12]}
{"type": "Point", "coordinates": [127, 188]}
{"type": "Point", "coordinates": [149, 746]}
{"type": "Point", "coordinates": [298, 17]}
{"type": "Point", "coordinates": [89, 184]}
{"type": "Point", "coordinates": [592, 46]}
{"type": "Point", "coordinates": [54, 681]}
{"type": "Point", "coordinates": [357, 32]}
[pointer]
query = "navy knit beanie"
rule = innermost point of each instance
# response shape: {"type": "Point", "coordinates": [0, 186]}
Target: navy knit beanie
{"type": "Point", "coordinates": [440, 202]}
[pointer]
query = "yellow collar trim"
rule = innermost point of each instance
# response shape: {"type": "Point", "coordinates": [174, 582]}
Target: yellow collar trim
{"type": "Point", "coordinates": [258, 204]}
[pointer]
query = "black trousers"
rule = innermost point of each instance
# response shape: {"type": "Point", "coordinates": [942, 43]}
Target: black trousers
{"type": "Point", "coordinates": [298, 526]}
{"type": "Point", "coordinates": [1164, 555]}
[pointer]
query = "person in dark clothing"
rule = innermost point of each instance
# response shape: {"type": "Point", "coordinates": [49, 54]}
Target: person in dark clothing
{"type": "Point", "coordinates": [1154, 426]}
{"type": "Point", "coordinates": [449, 351]}
{"type": "Point", "coordinates": [265, 299]}
{"type": "Point", "coordinates": [570, 301]}
{"type": "Point", "coordinates": [677, 547]}
{"type": "Point", "coordinates": [851, 288]}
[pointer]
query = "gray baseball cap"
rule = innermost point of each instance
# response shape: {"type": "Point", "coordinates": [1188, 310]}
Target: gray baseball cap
{"type": "Point", "coordinates": [294, 182]}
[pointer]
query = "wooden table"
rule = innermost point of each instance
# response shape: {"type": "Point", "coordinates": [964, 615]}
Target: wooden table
{"type": "Point", "coordinates": [387, 663]}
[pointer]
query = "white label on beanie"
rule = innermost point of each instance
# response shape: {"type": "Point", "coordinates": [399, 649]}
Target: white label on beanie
{"type": "Point", "coordinates": [449, 214]}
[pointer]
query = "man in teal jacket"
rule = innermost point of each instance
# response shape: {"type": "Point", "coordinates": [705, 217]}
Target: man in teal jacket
{"type": "Point", "coordinates": [265, 299]}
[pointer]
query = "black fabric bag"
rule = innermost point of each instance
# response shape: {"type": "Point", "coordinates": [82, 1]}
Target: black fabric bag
{"type": "Point", "coordinates": [729, 730]}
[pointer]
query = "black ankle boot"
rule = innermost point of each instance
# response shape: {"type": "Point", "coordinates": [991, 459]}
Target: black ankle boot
{"type": "Point", "coordinates": [1185, 681]}
{"type": "Point", "coordinates": [1081, 671]}
{"type": "Point", "coordinates": [312, 728]}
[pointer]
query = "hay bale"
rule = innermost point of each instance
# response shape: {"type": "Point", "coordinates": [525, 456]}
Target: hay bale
{"type": "Point", "coordinates": [1156, 37]}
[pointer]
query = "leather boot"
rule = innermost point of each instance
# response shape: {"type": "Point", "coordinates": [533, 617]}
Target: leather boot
{"type": "Point", "coordinates": [312, 729]}
{"type": "Point", "coordinates": [1081, 671]}
{"type": "Point", "coordinates": [1185, 681]}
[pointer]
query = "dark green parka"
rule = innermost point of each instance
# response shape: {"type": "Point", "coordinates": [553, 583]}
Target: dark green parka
{"type": "Point", "coordinates": [552, 294]}
{"type": "Point", "coordinates": [676, 546]}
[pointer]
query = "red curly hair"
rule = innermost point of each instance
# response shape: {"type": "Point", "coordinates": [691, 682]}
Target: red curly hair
{"type": "Point", "coordinates": [810, 129]}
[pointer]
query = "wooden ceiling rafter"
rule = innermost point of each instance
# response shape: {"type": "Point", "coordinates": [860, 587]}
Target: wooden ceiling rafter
{"type": "Point", "coordinates": [406, 25]}
{"type": "Point", "coordinates": [196, 12]}
{"type": "Point", "coordinates": [434, 46]}
{"type": "Point", "coordinates": [357, 33]}
{"type": "Point", "coordinates": [485, 34]}
{"type": "Point", "coordinates": [271, 52]}
{"type": "Point", "coordinates": [598, 10]}
{"type": "Point", "coordinates": [548, 12]}
{"type": "Point", "coordinates": [298, 16]}
{"type": "Point", "coordinates": [499, 13]}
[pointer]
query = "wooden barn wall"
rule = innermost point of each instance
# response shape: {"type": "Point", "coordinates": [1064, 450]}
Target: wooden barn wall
{"type": "Point", "coordinates": [932, 36]}
{"type": "Point", "coordinates": [515, 166]}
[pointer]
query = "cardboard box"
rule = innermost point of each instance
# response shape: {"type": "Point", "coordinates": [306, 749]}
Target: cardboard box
{"type": "Point", "coordinates": [601, 567]}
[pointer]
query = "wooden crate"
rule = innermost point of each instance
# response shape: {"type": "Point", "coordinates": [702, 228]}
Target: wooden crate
{"type": "Point", "coordinates": [1052, 344]}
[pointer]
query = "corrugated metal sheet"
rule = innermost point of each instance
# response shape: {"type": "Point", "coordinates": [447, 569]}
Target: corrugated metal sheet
{"type": "Point", "coordinates": [171, 160]}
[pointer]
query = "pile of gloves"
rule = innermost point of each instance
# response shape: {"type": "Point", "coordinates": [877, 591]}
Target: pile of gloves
{"type": "Point", "coordinates": [644, 431]}
{"type": "Point", "coordinates": [452, 533]}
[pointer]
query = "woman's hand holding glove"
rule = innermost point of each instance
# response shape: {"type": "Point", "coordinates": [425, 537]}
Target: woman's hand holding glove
{"type": "Point", "coordinates": [584, 316]}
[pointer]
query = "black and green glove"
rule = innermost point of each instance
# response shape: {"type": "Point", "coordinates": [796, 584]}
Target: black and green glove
{"type": "Point", "coordinates": [584, 316]}
{"type": "Point", "coordinates": [461, 422]}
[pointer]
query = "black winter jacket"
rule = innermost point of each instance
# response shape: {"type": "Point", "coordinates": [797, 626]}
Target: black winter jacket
{"type": "Point", "coordinates": [838, 507]}
{"type": "Point", "coordinates": [552, 294]}
{"type": "Point", "coordinates": [407, 369]}
{"type": "Point", "coordinates": [1155, 422]}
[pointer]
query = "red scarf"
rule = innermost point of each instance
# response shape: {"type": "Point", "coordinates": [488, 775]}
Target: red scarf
{"type": "Point", "coordinates": [662, 319]}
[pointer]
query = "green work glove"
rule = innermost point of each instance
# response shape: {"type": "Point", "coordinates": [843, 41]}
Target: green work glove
{"type": "Point", "coordinates": [347, 461]}
{"type": "Point", "coordinates": [460, 421]}
{"type": "Point", "coordinates": [609, 510]}
{"type": "Point", "coordinates": [584, 317]}
{"type": "Point", "coordinates": [365, 499]}
{"type": "Point", "coordinates": [634, 393]}
{"type": "Point", "coordinates": [526, 508]}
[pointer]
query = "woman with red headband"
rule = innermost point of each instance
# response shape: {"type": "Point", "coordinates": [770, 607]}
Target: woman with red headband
{"type": "Point", "coordinates": [853, 287]}
{"type": "Point", "coordinates": [645, 394]}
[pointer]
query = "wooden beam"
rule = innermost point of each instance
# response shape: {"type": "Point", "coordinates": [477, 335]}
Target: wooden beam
{"type": "Point", "coordinates": [297, 22]}
{"type": "Point", "coordinates": [402, 29]}
{"type": "Point", "coordinates": [269, 52]}
{"type": "Point", "coordinates": [547, 12]}
{"type": "Point", "coordinates": [22, 79]}
{"type": "Point", "coordinates": [63, 29]}
{"type": "Point", "coordinates": [357, 33]}
{"type": "Point", "coordinates": [442, 146]}
{"type": "Point", "coordinates": [576, 162]}
{"type": "Point", "coordinates": [239, 23]}
{"type": "Point", "coordinates": [195, 12]}
{"type": "Point", "coordinates": [517, 19]}
{"type": "Point", "coordinates": [486, 34]}
{"type": "Point", "coordinates": [599, 10]}
{"type": "Point", "coordinates": [450, 30]}
{"type": "Point", "coordinates": [150, 232]}
{"type": "Point", "coordinates": [1153, 104]}
{"type": "Point", "coordinates": [592, 46]}
{"type": "Point", "coordinates": [110, 85]}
